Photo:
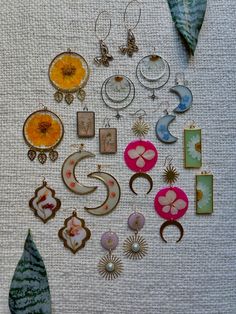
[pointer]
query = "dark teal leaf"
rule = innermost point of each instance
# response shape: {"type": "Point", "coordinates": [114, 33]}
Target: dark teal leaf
{"type": "Point", "coordinates": [188, 16]}
{"type": "Point", "coordinates": [29, 291]}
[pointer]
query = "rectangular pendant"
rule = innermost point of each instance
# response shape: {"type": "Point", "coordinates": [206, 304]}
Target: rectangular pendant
{"type": "Point", "coordinates": [85, 124]}
{"type": "Point", "coordinates": [108, 140]}
{"type": "Point", "coordinates": [192, 148]}
{"type": "Point", "coordinates": [204, 194]}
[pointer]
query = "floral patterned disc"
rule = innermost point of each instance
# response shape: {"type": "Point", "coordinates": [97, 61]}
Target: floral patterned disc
{"type": "Point", "coordinates": [171, 203]}
{"type": "Point", "coordinates": [140, 155]}
{"type": "Point", "coordinates": [68, 72]}
{"type": "Point", "coordinates": [43, 130]}
{"type": "Point", "coordinates": [74, 234]}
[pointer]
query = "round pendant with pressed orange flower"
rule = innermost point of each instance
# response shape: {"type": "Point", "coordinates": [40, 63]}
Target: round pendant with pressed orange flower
{"type": "Point", "coordinates": [68, 73]}
{"type": "Point", "coordinates": [43, 131]}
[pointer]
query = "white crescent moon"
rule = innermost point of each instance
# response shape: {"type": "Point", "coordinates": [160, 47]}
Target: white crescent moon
{"type": "Point", "coordinates": [113, 194]}
{"type": "Point", "coordinates": [68, 173]}
{"type": "Point", "coordinates": [162, 131]}
{"type": "Point", "coordinates": [186, 98]}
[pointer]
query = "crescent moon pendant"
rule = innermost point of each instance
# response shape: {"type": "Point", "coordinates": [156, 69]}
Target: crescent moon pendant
{"type": "Point", "coordinates": [186, 98]}
{"type": "Point", "coordinates": [140, 175]}
{"type": "Point", "coordinates": [68, 173]}
{"type": "Point", "coordinates": [162, 129]}
{"type": "Point", "coordinates": [113, 194]}
{"type": "Point", "coordinates": [169, 223]}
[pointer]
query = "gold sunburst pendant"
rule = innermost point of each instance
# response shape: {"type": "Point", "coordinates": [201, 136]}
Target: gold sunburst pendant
{"type": "Point", "coordinates": [135, 247]}
{"type": "Point", "coordinates": [170, 175]}
{"type": "Point", "coordinates": [140, 128]}
{"type": "Point", "coordinates": [110, 267]}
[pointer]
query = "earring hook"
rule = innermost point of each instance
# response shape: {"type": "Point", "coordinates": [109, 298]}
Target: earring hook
{"type": "Point", "coordinates": [168, 159]}
{"type": "Point", "coordinates": [180, 79]}
{"type": "Point", "coordinates": [192, 125]}
{"type": "Point", "coordinates": [125, 15]}
{"type": "Point", "coordinates": [96, 24]}
{"type": "Point", "coordinates": [106, 122]}
{"type": "Point", "coordinates": [141, 115]}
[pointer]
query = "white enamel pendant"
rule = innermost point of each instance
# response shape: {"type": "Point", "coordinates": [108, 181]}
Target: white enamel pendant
{"type": "Point", "coordinates": [68, 173]}
{"type": "Point", "coordinates": [113, 193]}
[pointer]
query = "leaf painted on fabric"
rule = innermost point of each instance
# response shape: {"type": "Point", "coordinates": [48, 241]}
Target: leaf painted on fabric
{"type": "Point", "coordinates": [29, 291]}
{"type": "Point", "coordinates": [188, 16]}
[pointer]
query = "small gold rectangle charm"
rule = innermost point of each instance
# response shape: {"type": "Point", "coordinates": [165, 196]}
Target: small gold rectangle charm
{"type": "Point", "coordinates": [85, 124]}
{"type": "Point", "coordinates": [192, 148]}
{"type": "Point", "coordinates": [108, 140]}
{"type": "Point", "coordinates": [204, 194]}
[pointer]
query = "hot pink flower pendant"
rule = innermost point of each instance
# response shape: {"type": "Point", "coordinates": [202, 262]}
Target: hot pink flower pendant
{"type": "Point", "coordinates": [140, 155]}
{"type": "Point", "coordinates": [171, 203]}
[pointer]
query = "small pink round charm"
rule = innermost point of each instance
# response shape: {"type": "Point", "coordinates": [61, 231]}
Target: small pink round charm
{"type": "Point", "coordinates": [140, 155]}
{"type": "Point", "coordinates": [171, 203]}
{"type": "Point", "coordinates": [136, 221]}
{"type": "Point", "coordinates": [109, 240]}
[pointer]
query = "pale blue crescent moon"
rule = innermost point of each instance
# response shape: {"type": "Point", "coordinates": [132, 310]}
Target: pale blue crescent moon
{"type": "Point", "coordinates": [186, 98]}
{"type": "Point", "coordinates": [162, 129]}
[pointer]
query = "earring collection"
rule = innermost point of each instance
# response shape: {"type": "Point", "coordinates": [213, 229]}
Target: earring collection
{"type": "Point", "coordinates": [43, 131]}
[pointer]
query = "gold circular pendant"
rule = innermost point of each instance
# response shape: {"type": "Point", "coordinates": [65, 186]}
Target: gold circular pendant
{"type": "Point", "coordinates": [68, 73]}
{"type": "Point", "coordinates": [43, 131]}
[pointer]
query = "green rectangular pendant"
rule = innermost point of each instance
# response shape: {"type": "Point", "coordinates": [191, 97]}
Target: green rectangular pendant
{"type": "Point", "coordinates": [192, 148]}
{"type": "Point", "coordinates": [204, 194]}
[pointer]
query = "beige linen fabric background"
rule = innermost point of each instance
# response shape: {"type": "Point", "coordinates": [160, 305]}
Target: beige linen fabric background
{"type": "Point", "coordinates": [195, 276]}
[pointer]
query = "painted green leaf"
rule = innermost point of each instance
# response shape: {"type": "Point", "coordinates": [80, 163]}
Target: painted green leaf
{"type": "Point", "coordinates": [29, 291]}
{"type": "Point", "coordinates": [188, 16]}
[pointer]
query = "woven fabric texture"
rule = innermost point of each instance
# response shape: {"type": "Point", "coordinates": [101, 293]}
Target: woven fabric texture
{"type": "Point", "coordinates": [195, 276]}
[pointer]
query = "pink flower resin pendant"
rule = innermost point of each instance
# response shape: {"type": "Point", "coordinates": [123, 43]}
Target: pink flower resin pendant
{"type": "Point", "coordinates": [140, 155]}
{"type": "Point", "coordinates": [171, 203]}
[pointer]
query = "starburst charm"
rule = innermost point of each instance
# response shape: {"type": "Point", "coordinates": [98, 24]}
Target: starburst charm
{"type": "Point", "coordinates": [140, 128]}
{"type": "Point", "coordinates": [170, 175]}
{"type": "Point", "coordinates": [135, 247]}
{"type": "Point", "coordinates": [110, 267]}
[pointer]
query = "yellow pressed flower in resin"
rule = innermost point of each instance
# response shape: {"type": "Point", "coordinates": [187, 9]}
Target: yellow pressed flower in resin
{"type": "Point", "coordinates": [43, 131]}
{"type": "Point", "coordinates": [68, 73]}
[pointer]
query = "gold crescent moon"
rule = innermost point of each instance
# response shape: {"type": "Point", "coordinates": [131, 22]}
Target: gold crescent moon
{"type": "Point", "coordinates": [140, 175]}
{"type": "Point", "coordinates": [68, 173]}
{"type": "Point", "coordinates": [175, 223]}
{"type": "Point", "coordinates": [113, 194]}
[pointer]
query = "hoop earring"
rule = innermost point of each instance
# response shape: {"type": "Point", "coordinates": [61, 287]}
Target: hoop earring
{"type": "Point", "coordinates": [131, 46]}
{"type": "Point", "coordinates": [105, 58]}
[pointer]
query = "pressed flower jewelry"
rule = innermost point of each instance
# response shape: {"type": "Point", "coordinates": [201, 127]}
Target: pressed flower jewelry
{"type": "Point", "coordinates": [117, 93]}
{"type": "Point", "coordinates": [184, 93]}
{"type": "Point", "coordinates": [107, 138]}
{"type": "Point", "coordinates": [113, 193]}
{"type": "Point", "coordinates": [68, 73]}
{"type": "Point", "coordinates": [192, 147]}
{"type": "Point", "coordinates": [131, 46]}
{"type": "Point", "coordinates": [135, 247]}
{"type": "Point", "coordinates": [162, 128]}
{"type": "Point", "coordinates": [110, 266]}
{"type": "Point", "coordinates": [43, 131]}
{"type": "Point", "coordinates": [44, 203]}
{"type": "Point", "coordinates": [171, 203]}
{"type": "Point", "coordinates": [68, 171]}
{"type": "Point", "coordinates": [74, 234]}
{"type": "Point", "coordinates": [105, 57]}
{"type": "Point", "coordinates": [204, 193]}
{"type": "Point", "coordinates": [140, 155]}
{"type": "Point", "coordinates": [153, 73]}
{"type": "Point", "coordinates": [85, 123]}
